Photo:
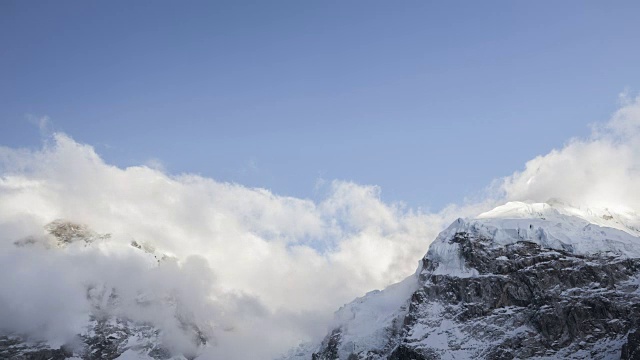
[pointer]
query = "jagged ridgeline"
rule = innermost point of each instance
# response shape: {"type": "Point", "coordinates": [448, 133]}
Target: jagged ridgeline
{"type": "Point", "coordinates": [524, 281]}
{"type": "Point", "coordinates": [63, 232]}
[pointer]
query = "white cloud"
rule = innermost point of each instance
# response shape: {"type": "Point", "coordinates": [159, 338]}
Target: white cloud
{"type": "Point", "coordinates": [256, 271]}
{"type": "Point", "coordinates": [602, 171]}
{"type": "Point", "coordinates": [269, 267]}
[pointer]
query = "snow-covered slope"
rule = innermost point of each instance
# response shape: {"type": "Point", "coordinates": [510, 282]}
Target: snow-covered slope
{"type": "Point", "coordinates": [520, 281]}
{"type": "Point", "coordinates": [555, 226]}
{"type": "Point", "coordinates": [625, 220]}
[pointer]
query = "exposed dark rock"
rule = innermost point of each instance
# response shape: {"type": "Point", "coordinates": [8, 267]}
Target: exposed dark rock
{"type": "Point", "coordinates": [525, 301]}
{"type": "Point", "coordinates": [106, 339]}
{"type": "Point", "coordinates": [631, 349]}
{"type": "Point", "coordinates": [406, 353]}
{"type": "Point", "coordinates": [330, 347]}
{"type": "Point", "coordinates": [14, 348]}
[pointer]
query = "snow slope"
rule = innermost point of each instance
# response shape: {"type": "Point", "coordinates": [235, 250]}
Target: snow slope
{"type": "Point", "coordinates": [551, 225]}
{"type": "Point", "coordinates": [552, 235]}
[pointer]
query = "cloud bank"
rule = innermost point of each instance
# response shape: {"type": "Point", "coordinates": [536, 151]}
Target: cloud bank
{"type": "Point", "coordinates": [259, 272]}
{"type": "Point", "coordinates": [602, 171]}
{"type": "Point", "coordinates": [256, 272]}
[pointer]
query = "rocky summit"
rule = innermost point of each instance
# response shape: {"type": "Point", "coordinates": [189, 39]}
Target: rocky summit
{"type": "Point", "coordinates": [523, 281]}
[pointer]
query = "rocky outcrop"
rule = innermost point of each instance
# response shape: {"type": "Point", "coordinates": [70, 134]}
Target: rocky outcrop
{"type": "Point", "coordinates": [15, 348]}
{"type": "Point", "coordinates": [106, 338]}
{"type": "Point", "coordinates": [514, 301]}
{"type": "Point", "coordinates": [631, 349]}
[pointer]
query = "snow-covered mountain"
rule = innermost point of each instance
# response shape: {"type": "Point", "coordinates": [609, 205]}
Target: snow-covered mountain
{"type": "Point", "coordinates": [544, 281]}
{"type": "Point", "coordinates": [520, 281]}
{"type": "Point", "coordinates": [105, 327]}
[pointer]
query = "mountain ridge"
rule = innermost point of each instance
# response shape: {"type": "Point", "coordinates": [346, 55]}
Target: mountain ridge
{"type": "Point", "coordinates": [511, 283]}
{"type": "Point", "coordinates": [523, 280]}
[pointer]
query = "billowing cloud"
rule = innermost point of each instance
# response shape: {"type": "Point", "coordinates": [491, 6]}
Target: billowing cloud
{"type": "Point", "coordinates": [260, 271]}
{"type": "Point", "coordinates": [602, 171]}
{"type": "Point", "coordinates": [255, 271]}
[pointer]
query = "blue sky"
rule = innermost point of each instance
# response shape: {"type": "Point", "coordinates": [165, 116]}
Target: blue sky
{"type": "Point", "coordinates": [429, 100]}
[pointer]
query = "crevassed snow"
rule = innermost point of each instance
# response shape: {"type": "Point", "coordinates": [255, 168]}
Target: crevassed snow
{"type": "Point", "coordinates": [625, 220]}
{"type": "Point", "coordinates": [555, 225]}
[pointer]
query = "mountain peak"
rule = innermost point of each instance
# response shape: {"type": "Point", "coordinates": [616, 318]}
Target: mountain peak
{"type": "Point", "coordinates": [555, 210]}
{"type": "Point", "coordinates": [555, 225]}
{"type": "Point", "coordinates": [524, 280]}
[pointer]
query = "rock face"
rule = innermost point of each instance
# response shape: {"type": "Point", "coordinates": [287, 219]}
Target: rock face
{"type": "Point", "coordinates": [106, 338]}
{"type": "Point", "coordinates": [15, 348]}
{"type": "Point", "coordinates": [631, 349]}
{"type": "Point", "coordinates": [513, 286]}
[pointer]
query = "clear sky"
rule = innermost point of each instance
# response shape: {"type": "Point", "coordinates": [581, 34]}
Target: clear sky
{"type": "Point", "coordinates": [429, 100]}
